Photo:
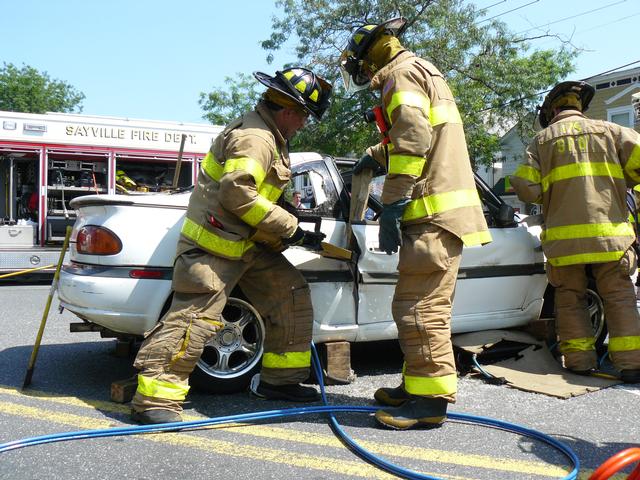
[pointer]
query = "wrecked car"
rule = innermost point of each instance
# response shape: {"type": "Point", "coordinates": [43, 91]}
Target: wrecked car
{"type": "Point", "coordinates": [118, 280]}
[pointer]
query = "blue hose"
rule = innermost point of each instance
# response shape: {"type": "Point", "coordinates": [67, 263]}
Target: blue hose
{"type": "Point", "coordinates": [335, 426]}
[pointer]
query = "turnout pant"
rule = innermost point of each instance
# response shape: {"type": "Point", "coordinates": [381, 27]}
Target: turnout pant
{"type": "Point", "coordinates": [428, 268]}
{"type": "Point", "coordinates": [202, 284]}
{"type": "Point", "coordinates": [573, 321]}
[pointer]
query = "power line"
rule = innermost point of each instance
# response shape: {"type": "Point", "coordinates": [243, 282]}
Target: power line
{"type": "Point", "coordinates": [492, 5]}
{"type": "Point", "coordinates": [626, 17]}
{"type": "Point", "coordinates": [508, 11]}
{"type": "Point", "coordinates": [573, 16]}
{"type": "Point", "coordinates": [612, 70]}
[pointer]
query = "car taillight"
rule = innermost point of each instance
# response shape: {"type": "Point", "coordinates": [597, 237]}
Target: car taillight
{"type": "Point", "coordinates": [92, 240]}
{"type": "Point", "coordinates": [147, 274]}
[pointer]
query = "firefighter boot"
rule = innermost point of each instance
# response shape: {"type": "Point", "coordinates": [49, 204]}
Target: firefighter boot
{"type": "Point", "coordinates": [416, 412]}
{"type": "Point", "coordinates": [292, 392]}
{"type": "Point", "coordinates": [392, 397]}
{"type": "Point", "coordinates": [155, 415]}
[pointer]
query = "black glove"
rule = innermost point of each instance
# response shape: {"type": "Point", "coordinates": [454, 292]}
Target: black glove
{"type": "Point", "coordinates": [312, 240]}
{"type": "Point", "coordinates": [389, 235]}
{"type": "Point", "coordinates": [367, 161]}
{"type": "Point", "coordinates": [305, 238]}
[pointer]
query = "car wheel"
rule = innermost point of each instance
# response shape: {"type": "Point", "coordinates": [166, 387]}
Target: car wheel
{"type": "Point", "coordinates": [232, 357]}
{"type": "Point", "coordinates": [595, 307]}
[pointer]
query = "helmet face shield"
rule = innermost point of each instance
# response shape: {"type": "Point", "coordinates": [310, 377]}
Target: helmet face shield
{"type": "Point", "coordinates": [353, 76]}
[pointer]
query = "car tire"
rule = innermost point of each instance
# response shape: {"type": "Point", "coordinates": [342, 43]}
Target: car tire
{"type": "Point", "coordinates": [595, 307]}
{"type": "Point", "coordinates": [234, 354]}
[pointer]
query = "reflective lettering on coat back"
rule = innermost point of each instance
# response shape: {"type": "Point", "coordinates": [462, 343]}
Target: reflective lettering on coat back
{"type": "Point", "coordinates": [571, 141]}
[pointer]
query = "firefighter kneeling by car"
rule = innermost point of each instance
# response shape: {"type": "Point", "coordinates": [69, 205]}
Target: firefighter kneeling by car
{"type": "Point", "coordinates": [579, 170]}
{"type": "Point", "coordinates": [234, 234]}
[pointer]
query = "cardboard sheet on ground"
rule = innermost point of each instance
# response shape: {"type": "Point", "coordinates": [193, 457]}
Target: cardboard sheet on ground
{"type": "Point", "coordinates": [535, 369]}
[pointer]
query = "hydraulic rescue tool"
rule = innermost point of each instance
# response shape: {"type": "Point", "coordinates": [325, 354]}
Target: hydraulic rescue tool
{"type": "Point", "coordinates": [376, 116]}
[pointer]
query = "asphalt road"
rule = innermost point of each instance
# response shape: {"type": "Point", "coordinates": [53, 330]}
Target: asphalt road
{"type": "Point", "coordinates": [70, 391]}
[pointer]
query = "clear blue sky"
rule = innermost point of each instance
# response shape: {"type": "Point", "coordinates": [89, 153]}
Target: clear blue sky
{"type": "Point", "coordinates": [151, 58]}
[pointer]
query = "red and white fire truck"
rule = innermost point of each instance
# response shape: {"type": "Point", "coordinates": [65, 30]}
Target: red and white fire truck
{"type": "Point", "coordinates": [47, 160]}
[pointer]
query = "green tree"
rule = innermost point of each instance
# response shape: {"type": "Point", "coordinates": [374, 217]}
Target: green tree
{"type": "Point", "coordinates": [496, 75]}
{"type": "Point", "coordinates": [28, 90]}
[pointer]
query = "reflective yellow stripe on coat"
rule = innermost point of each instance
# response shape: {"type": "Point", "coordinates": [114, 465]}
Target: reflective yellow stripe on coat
{"type": "Point", "coordinates": [441, 202]}
{"type": "Point", "coordinates": [633, 164]}
{"type": "Point", "coordinates": [587, 169]}
{"type": "Point", "coordinates": [215, 243]}
{"type": "Point", "coordinates": [575, 232]}
{"type": "Point", "coordinates": [267, 194]}
{"type": "Point", "coordinates": [446, 112]}
{"type": "Point", "coordinates": [528, 173]}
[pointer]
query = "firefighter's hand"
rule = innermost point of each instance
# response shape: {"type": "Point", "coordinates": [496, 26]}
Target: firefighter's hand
{"type": "Point", "coordinates": [305, 238]}
{"type": "Point", "coordinates": [389, 235]}
{"type": "Point", "coordinates": [367, 161]}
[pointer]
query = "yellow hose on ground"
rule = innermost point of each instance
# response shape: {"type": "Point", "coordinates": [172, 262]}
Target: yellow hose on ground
{"type": "Point", "coordinates": [22, 272]}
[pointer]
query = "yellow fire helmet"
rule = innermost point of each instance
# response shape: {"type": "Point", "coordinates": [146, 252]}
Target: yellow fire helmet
{"type": "Point", "coordinates": [571, 94]}
{"type": "Point", "coordinates": [354, 75]}
{"type": "Point", "coordinates": [305, 88]}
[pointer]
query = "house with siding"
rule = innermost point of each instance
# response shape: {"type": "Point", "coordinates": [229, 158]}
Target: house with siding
{"type": "Point", "coordinates": [612, 102]}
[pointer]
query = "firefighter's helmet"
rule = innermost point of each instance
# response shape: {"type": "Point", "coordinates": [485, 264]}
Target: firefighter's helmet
{"type": "Point", "coordinates": [354, 75]}
{"type": "Point", "coordinates": [565, 94]}
{"type": "Point", "coordinates": [305, 88]}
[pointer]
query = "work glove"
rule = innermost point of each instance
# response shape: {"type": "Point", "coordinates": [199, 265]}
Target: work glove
{"type": "Point", "coordinates": [389, 235]}
{"type": "Point", "coordinates": [305, 238]}
{"type": "Point", "coordinates": [367, 161]}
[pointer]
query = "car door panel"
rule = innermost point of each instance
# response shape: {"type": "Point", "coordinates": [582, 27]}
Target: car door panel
{"type": "Point", "coordinates": [497, 277]}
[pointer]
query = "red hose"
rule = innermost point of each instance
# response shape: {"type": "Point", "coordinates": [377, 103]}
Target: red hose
{"type": "Point", "coordinates": [616, 463]}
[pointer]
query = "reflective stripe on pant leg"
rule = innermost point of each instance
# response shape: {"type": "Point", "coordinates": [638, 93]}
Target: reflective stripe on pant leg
{"type": "Point", "coordinates": [429, 261]}
{"type": "Point", "coordinates": [281, 295]}
{"type": "Point", "coordinates": [623, 321]}
{"type": "Point", "coordinates": [154, 356]}
{"type": "Point", "coordinates": [572, 318]}
{"type": "Point", "coordinates": [172, 348]}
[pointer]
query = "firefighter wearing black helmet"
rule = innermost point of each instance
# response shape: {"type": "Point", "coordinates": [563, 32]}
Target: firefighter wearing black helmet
{"type": "Point", "coordinates": [579, 169]}
{"type": "Point", "coordinates": [431, 209]}
{"type": "Point", "coordinates": [234, 233]}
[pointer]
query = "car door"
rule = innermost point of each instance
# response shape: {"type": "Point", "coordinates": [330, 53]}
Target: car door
{"type": "Point", "coordinates": [499, 285]}
{"type": "Point", "coordinates": [331, 281]}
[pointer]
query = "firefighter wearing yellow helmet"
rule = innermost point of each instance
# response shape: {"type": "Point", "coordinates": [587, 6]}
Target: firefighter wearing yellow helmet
{"type": "Point", "coordinates": [233, 235]}
{"type": "Point", "coordinates": [579, 169]}
{"type": "Point", "coordinates": [431, 209]}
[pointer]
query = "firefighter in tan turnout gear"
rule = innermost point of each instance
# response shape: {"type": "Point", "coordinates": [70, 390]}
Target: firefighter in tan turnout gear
{"type": "Point", "coordinates": [431, 209]}
{"type": "Point", "coordinates": [233, 234]}
{"type": "Point", "coordinates": [579, 170]}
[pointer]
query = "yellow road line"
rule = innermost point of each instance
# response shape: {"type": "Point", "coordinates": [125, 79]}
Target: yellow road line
{"type": "Point", "coordinates": [229, 449]}
{"type": "Point", "coordinates": [400, 451]}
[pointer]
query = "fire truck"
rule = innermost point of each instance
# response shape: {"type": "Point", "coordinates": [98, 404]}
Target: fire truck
{"type": "Point", "coordinates": [47, 160]}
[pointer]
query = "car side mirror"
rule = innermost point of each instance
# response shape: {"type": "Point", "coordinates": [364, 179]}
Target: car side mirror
{"type": "Point", "coordinates": [505, 217]}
